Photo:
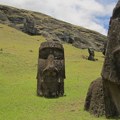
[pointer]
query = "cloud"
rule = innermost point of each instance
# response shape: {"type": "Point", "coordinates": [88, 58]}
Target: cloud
{"type": "Point", "coordinates": [87, 13]}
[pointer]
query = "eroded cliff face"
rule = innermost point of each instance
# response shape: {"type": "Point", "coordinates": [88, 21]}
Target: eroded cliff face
{"type": "Point", "coordinates": [34, 23]}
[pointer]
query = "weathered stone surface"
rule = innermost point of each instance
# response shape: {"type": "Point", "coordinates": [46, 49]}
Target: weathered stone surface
{"type": "Point", "coordinates": [3, 17]}
{"type": "Point", "coordinates": [30, 25]}
{"type": "Point", "coordinates": [91, 54]}
{"type": "Point", "coordinates": [111, 99]}
{"type": "Point", "coordinates": [39, 24]}
{"type": "Point", "coordinates": [104, 48]}
{"type": "Point", "coordinates": [110, 72]}
{"type": "Point", "coordinates": [51, 70]}
{"type": "Point", "coordinates": [94, 102]}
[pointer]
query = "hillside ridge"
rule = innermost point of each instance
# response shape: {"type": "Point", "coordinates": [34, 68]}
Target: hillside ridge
{"type": "Point", "coordinates": [35, 23]}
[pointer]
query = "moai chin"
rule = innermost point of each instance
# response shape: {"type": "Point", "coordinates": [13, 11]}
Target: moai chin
{"type": "Point", "coordinates": [51, 70]}
{"type": "Point", "coordinates": [103, 97]}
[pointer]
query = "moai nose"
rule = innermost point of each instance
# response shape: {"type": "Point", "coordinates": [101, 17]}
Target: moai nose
{"type": "Point", "coordinates": [50, 58]}
{"type": "Point", "coordinates": [50, 62]}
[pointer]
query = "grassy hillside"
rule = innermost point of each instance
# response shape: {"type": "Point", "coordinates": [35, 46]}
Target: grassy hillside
{"type": "Point", "coordinates": [35, 23]}
{"type": "Point", "coordinates": [18, 67]}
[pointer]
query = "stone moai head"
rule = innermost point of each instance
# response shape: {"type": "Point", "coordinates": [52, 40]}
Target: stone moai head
{"type": "Point", "coordinates": [111, 64]}
{"type": "Point", "coordinates": [51, 70]}
{"type": "Point", "coordinates": [91, 54]}
{"type": "Point", "coordinates": [104, 48]}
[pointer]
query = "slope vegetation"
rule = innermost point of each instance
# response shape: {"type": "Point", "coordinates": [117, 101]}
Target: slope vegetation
{"type": "Point", "coordinates": [18, 68]}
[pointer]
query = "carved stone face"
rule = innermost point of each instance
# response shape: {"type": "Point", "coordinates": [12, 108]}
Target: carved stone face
{"type": "Point", "coordinates": [111, 67]}
{"type": "Point", "coordinates": [51, 69]}
{"type": "Point", "coordinates": [91, 54]}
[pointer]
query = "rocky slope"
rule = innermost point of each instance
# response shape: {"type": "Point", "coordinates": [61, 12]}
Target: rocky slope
{"type": "Point", "coordinates": [35, 23]}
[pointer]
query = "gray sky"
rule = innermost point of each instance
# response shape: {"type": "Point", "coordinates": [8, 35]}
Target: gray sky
{"type": "Point", "coordinates": [91, 14]}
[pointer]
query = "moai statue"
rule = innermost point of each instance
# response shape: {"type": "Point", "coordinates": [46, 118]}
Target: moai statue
{"type": "Point", "coordinates": [30, 25]}
{"type": "Point", "coordinates": [91, 54]}
{"type": "Point", "coordinates": [51, 70]}
{"type": "Point", "coordinates": [103, 97]}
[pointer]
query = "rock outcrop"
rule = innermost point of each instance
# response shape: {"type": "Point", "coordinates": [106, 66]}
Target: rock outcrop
{"type": "Point", "coordinates": [35, 23]}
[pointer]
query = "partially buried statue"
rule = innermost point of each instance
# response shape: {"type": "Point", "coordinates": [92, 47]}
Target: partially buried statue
{"type": "Point", "coordinates": [103, 97]}
{"type": "Point", "coordinates": [91, 54]}
{"type": "Point", "coordinates": [51, 70]}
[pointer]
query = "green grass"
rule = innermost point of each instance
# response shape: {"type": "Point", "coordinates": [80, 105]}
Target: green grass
{"type": "Point", "coordinates": [18, 68]}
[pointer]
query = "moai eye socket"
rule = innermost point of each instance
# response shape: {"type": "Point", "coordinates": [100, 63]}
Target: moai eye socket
{"type": "Point", "coordinates": [44, 53]}
{"type": "Point", "coordinates": [58, 54]}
